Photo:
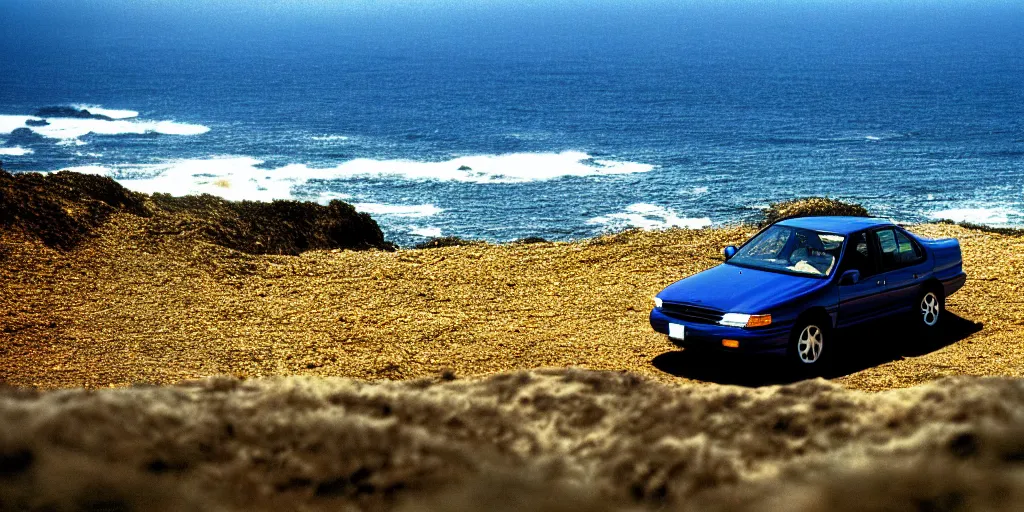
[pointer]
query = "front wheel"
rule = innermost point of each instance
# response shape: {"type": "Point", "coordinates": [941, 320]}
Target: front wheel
{"type": "Point", "coordinates": [807, 345]}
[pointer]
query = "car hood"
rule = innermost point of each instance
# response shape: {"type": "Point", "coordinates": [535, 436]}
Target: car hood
{"type": "Point", "coordinates": [736, 289]}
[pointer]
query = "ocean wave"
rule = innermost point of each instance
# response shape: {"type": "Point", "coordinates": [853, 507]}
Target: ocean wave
{"type": "Point", "coordinates": [426, 232]}
{"type": "Point", "coordinates": [16, 151]}
{"type": "Point", "coordinates": [242, 178]}
{"type": "Point", "coordinates": [71, 129]}
{"type": "Point", "coordinates": [233, 178]}
{"type": "Point", "coordinates": [65, 128]}
{"type": "Point", "coordinates": [399, 210]}
{"type": "Point", "coordinates": [997, 216]}
{"type": "Point", "coordinates": [238, 178]}
{"type": "Point", "coordinates": [509, 168]}
{"type": "Point", "coordinates": [648, 216]}
{"type": "Point", "coordinates": [329, 138]}
{"type": "Point", "coordinates": [9, 123]}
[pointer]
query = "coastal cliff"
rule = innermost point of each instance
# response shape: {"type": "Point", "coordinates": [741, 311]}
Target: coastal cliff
{"type": "Point", "coordinates": [65, 208]}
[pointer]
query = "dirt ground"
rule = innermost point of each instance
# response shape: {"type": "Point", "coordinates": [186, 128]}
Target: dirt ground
{"type": "Point", "coordinates": [132, 306]}
{"type": "Point", "coordinates": [481, 377]}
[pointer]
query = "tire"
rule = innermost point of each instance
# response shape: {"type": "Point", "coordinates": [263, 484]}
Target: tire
{"type": "Point", "coordinates": [929, 309]}
{"type": "Point", "coordinates": [810, 344]}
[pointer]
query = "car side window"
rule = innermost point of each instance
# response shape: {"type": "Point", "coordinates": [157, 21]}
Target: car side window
{"type": "Point", "coordinates": [859, 256]}
{"type": "Point", "coordinates": [897, 250]}
{"type": "Point", "coordinates": [910, 252]}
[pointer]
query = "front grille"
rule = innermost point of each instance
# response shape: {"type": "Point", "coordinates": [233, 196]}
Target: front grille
{"type": "Point", "coordinates": [691, 313]}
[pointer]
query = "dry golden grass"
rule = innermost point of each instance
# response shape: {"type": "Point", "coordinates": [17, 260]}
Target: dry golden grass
{"type": "Point", "coordinates": [130, 306]}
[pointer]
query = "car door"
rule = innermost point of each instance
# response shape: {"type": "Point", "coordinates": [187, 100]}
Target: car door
{"type": "Point", "coordinates": [904, 268]}
{"type": "Point", "coordinates": [864, 299]}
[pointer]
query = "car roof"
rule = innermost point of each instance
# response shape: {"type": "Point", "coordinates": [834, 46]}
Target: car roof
{"type": "Point", "coordinates": [838, 225]}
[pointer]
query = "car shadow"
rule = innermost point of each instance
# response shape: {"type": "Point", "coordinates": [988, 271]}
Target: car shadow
{"type": "Point", "coordinates": [858, 348]}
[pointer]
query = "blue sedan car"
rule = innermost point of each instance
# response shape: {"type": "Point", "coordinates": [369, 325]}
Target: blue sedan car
{"type": "Point", "coordinates": [789, 287]}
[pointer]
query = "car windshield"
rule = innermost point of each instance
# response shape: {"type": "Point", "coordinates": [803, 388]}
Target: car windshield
{"type": "Point", "coordinates": [791, 250]}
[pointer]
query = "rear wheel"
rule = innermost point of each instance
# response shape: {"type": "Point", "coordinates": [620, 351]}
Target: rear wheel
{"type": "Point", "coordinates": [930, 309]}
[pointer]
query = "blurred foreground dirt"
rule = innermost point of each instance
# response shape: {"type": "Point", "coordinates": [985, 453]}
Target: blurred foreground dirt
{"type": "Point", "coordinates": [131, 305]}
{"type": "Point", "coordinates": [557, 440]}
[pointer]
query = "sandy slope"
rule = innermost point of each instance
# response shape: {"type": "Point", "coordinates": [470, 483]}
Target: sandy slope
{"type": "Point", "coordinates": [542, 440]}
{"type": "Point", "coordinates": [135, 306]}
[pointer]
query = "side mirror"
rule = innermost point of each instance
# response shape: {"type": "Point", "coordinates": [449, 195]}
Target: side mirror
{"type": "Point", "coordinates": [729, 252]}
{"type": "Point", "coordinates": [850, 277]}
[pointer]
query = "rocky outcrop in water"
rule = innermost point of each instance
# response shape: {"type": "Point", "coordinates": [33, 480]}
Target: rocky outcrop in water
{"type": "Point", "coordinates": [65, 111]}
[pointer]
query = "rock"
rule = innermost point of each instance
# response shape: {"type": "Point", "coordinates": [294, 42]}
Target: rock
{"type": "Point", "coordinates": [24, 136]}
{"type": "Point", "coordinates": [65, 111]}
{"type": "Point", "coordinates": [445, 241]}
{"type": "Point", "coordinates": [61, 209]}
{"type": "Point", "coordinates": [278, 227]}
{"type": "Point", "coordinates": [531, 240]}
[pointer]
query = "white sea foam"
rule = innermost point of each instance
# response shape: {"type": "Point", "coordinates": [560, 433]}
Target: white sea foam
{"type": "Point", "coordinates": [648, 216]}
{"type": "Point", "coordinates": [427, 232]}
{"type": "Point", "coordinates": [16, 151]}
{"type": "Point", "coordinates": [510, 168]}
{"type": "Point", "coordinates": [698, 191]}
{"type": "Point", "coordinates": [330, 138]}
{"type": "Point", "coordinates": [109, 112]}
{"type": "Point", "coordinates": [998, 216]}
{"type": "Point", "coordinates": [10, 123]}
{"type": "Point", "coordinates": [399, 210]}
{"type": "Point", "coordinates": [240, 177]}
{"type": "Point", "coordinates": [237, 178]}
{"type": "Point", "coordinates": [233, 178]}
{"type": "Point", "coordinates": [67, 128]}
{"type": "Point", "coordinates": [872, 137]}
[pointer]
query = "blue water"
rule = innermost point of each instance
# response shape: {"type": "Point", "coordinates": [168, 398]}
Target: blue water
{"type": "Point", "coordinates": [633, 116]}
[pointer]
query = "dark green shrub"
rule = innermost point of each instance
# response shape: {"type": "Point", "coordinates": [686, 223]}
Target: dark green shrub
{"type": "Point", "coordinates": [810, 207]}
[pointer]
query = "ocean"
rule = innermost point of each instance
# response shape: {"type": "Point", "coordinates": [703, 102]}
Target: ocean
{"type": "Point", "coordinates": [555, 120]}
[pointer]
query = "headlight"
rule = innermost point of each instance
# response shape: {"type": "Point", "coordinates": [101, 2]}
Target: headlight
{"type": "Point", "coordinates": [735, 320]}
{"type": "Point", "coordinates": [743, 320]}
{"type": "Point", "coordinates": [657, 302]}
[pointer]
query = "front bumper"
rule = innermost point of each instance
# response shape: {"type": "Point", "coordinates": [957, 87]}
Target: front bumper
{"type": "Point", "coordinates": [767, 340]}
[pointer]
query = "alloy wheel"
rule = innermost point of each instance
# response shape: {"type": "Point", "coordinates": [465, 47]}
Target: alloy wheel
{"type": "Point", "coordinates": [930, 309]}
{"type": "Point", "coordinates": [810, 343]}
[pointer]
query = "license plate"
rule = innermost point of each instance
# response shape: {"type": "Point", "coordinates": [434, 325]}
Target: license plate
{"type": "Point", "coordinates": [676, 331]}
